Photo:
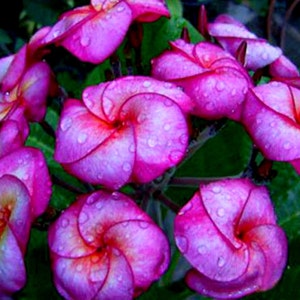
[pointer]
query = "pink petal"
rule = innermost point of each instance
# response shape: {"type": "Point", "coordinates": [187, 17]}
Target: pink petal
{"type": "Point", "coordinates": [15, 70]}
{"type": "Point", "coordinates": [80, 278]}
{"type": "Point", "coordinates": [148, 11]}
{"type": "Point", "coordinates": [224, 203]}
{"type": "Point", "coordinates": [283, 67]}
{"type": "Point", "coordinates": [12, 268]}
{"type": "Point", "coordinates": [29, 165]}
{"type": "Point", "coordinates": [101, 210]}
{"type": "Point", "coordinates": [273, 243]}
{"type": "Point", "coordinates": [246, 284]}
{"type": "Point", "coordinates": [197, 237]}
{"type": "Point", "coordinates": [258, 210]}
{"type": "Point", "coordinates": [119, 281]}
{"type": "Point", "coordinates": [272, 127]}
{"type": "Point", "coordinates": [10, 137]}
{"type": "Point", "coordinates": [145, 248]}
{"type": "Point", "coordinates": [5, 63]}
{"type": "Point", "coordinates": [110, 164]}
{"type": "Point", "coordinates": [79, 132]}
{"type": "Point", "coordinates": [15, 198]}
{"type": "Point", "coordinates": [161, 134]}
{"type": "Point", "coordinates": [34, 89]}
{"type": "Point", "coordinates": [82, 41]}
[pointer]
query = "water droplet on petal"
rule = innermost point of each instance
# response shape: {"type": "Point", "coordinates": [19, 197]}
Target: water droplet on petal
{"type": "Point", "coordinates": [220, 86]}
{"type": "Point", "coordinates": [221, 262]}
{"type": "Point", "coordinates": [65, 124]}
{"type": "Point", "coordinates": [233, 92]}
{"type": "Point", "coordinates": [85, 41]}
{"type": "Point", "coordinates": [168, 102]}
{"type": "Point", "coordinates": [221, 212]}
{"type": "Point", "coordinates": [146, 83]}
{"type": "Point", "coordinates": [126, 167]}
{"type": "Point", "coordinates": [141, 118]}
{"type": "Point", "coordinates": [89, 238]}
{"type": "Point", "coordinates": [175, 156]}
{"type": "Point", "coordinates": [99, 205]}
{"type": "Point", "coordinates": [216, 189]}
{"type": "Point", "coordinates": [152, 142]}
{"type": "Point", "coordinates": [202, 249]}
{"type": "Point", "coordinates": [287, 146]}
{"type": "Point", "coordinates": [167, 127]}
{"type": "Point", "coordinates": [182, 243]}
{"type": "Point", "coordinates": [183, 139]}
{"type": "Point", "coordinates": [64, 223]}
{"type": "Point", "coordinates": [95, 259]}
{"type": "Point", "coordinates": [125, 223]}
{"type": "Point", "coordinates": [83, 218]}
{"type": "Point", "coordinates": [82, 137]}
{"type": "Point", "coordinates": [144, 224]}
{"type": "Point", "coordinates": [131, 148]}
{"type": "Point", "coordinates": [79, 267]}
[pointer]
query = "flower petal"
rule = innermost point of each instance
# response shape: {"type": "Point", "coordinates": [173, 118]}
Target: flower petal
{"type": "Point", "coordinates": [110, 164]}
{"type": "Point", "coordinates": [145, 248]}
{"type": "Point", "coordinates": [79, 132]}
{"type": "Point", "coordinates": [80, 278]}
{"type": "Point", "coordinates": [198, 238]}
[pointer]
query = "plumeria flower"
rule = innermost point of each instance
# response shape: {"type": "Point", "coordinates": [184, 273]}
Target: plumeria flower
{"type": "Point", "coordinates": [213, 78]}
{"type": "Point", "coordinates": [128, 130]}
{"type": "Point", "coordinates": [29, 166]}
{"type": "Point", "coordinates": [230, 33]}
{"type": "Point", "coordinates": [93, 32]}
{"type": "Point", "coordinates": [271, 117]}
{"type": "Point", "coordinates": [105, 247]}
{"type": "Point", "coordinates": [24, 87]}
{"type": "Point", "coordinates": [228, 233]}
{"type": "Point", "coordinates": [15, 222]}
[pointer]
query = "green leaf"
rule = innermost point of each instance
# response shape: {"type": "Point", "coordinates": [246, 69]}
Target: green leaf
{"type": "Point", "coordinates": [175, 7]}
{"type": "Point", "coordinates": [226, 154]}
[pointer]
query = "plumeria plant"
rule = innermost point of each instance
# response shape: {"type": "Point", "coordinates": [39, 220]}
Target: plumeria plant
{"type": "Point", "coordinates": [144, 157]}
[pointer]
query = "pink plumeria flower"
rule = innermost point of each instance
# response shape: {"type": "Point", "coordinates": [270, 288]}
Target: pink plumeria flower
{"type": "Point", "coordinates": [128, 130]}
{"type": "Point", "coordinates": [228, 233]}
{"type": "Point", "coordinates": [93, 32]}
{"type": "Point", "coordinates": [105, 247]}
{"type": "Point", "coordinates": [271, 117]}
{"type": "Point", "coordinates": [15, 225]}
{"type": "Point", "coordinates": [213, 78]}
{"type": "Point", "coordinates": [230, 33]}
{"type": "Point", "coordinates": [30, 167]}
{"type": "Point", "coordinates": [24, 87]}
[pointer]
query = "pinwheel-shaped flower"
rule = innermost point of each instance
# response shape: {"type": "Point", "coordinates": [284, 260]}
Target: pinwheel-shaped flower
{"type": "Point", "coordinates": [271, 117]}
{"type": "Point", "coordinates": [24, 87]}
{"type": "Point", "coordinates": [130, 129]}
{"type": "Point", "coordinates": [29, 166]}
{"type": "Point", "coordinates": [213, 78]}
{"type": "Point", "coordinates": [230, 33]}
{"type": "Point", "coordinates": [105, 247]}
{"type": "Point", "coordinates": [93, 32]}
{"type": "Point", "coordinates": [228, 233]}
{"type": "Point", "coordinates": [15, 221]}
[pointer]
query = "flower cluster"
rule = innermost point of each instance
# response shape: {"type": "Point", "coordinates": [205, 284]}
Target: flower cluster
{"type": "Point", "coordinates": [128, 132]}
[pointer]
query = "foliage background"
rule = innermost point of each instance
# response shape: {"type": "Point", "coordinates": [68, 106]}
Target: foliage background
{"type": "Point", "coordinates": [226, 154]}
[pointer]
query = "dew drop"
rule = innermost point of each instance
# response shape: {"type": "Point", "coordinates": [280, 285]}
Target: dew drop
{"type": "Point", "coordinates": [131, 148]}
{"type": "Point", "coordinates": [89, 238]}
{"type": "Point", "coordinates": [152, 142]}
{"type": "Point", "coordinates": [233, 92]}
{"type": "Point", "coordinates": [168, 102]}
{"type": "Point", "coordinates": [216, 189]}
{"type": "Point", "coordinates": [120, 8]}
{"type": "Point", "coordinates": [183, 139]}
{"type": "Point", "coordinates": [66, 124]}
{"type": "Point", "coordinates": [221, 212]}
{"type": "Point", "coordinates": [146, 83]}
{"type": "Point", "coordinates": [82, 137]}
{"type": "Point", "coordinates": [99, 205]}
{"type": "Point", "coordinates": [125, 223]}
{"type": "Point", "coordinates": [85, 41]}
{"type": "Point", "coordinates": [167, 127]}
{"type": "Point", "coordinates": [56, 33]}
{"type": "Point", "coordinates": [221, 262]}
{"type": "Point", "coordinates": [206, 58]}
{"type": "Point", "coordinates": [182, 243]}
{"type": "Point", "coordinates": [79, 268]}
{"type": "Point", "coordinates": [95, 259]}
{"type": "Point", "coordinates": [202, 249]}
{"type": "Point", "coordinates": [83, 218]}
{"type": "Point", "coordinates": [126, 167]}
{"type": "Point", "coordinates": [144, 224]}
{"type": "Point", "coordinates": [220, 86]}
{"type": "Point", "coordinates": [141, 118]}
{"type": "Point", "coordinates": [64, 223]}
{"type": "Point", "coordinates": [175, 155]}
